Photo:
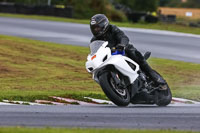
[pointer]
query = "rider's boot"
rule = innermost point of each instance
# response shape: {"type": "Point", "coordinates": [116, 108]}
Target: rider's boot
{"type": "Point", "coordinates": [135, 55]}
{"type": "Point", "coordinates": [151, 73]}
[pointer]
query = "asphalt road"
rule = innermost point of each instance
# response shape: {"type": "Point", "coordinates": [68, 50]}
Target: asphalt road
{"type": "Point", "coordinates": [163, 44]}
{"type": "Point", "coordinates": [102, 116]}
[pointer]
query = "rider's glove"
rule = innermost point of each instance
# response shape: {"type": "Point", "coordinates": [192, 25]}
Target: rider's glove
{"type": "Point", "coordinates": [120, 47]}
{"type": "Point", "coordinates": [113, 49]}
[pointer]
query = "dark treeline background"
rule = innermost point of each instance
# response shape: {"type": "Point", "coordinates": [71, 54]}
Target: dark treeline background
{"type": "Point", "coordinates": [116, 10]}
{"type": "Point", "coordinates": [144, 5]}
{"type": "Point", "coordinates": [86, 8]}
{"type": "Point", "coordinates": [82, 9]}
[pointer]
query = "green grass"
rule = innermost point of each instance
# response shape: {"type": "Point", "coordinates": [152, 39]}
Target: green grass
{"type": "Point", "coordinates": [159, 26]}
{"type": "Point", "coordinates": [182, 77]}
{"type": "Point", "coordinates": [31, 70]}
{"type": "Point", "coordinates": [49, 18]}
{"type": "Point", "coordinates": [82, 130]}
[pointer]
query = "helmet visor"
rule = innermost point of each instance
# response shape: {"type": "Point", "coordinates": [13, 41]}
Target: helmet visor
{"type": "Point", "coordinates": [96, 30]}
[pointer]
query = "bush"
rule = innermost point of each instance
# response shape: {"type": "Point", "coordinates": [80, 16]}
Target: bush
{"type": "Point", "coordinates": [140, 5]}
{"type": "Point", "coordinates": [85, 9]}
{"type": "Point", "coordinates": [115, 15]}
{"type": "Point", "coordinates": [82, 9]}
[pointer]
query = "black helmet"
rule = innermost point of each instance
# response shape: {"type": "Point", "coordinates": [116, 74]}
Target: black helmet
{"type": "Point", "coordinates": [99, 24]}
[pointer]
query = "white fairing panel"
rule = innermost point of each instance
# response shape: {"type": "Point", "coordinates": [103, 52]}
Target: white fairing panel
{"type": "Point", "coordinates": [120, 64]}
{"type": "Point", "coordinates": [98, 60]}
{"type": "Point", "coordinates": [103, 58]}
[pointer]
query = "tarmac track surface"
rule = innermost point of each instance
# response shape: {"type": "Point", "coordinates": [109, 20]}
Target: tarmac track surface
{"type": "Point", "coordinates": [162, 44]}
{"type": "Point", "coordinates": [102, 116]}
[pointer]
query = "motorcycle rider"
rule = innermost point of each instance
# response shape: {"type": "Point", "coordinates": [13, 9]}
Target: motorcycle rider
{"type": "Point", "coordinates": [103, 30]}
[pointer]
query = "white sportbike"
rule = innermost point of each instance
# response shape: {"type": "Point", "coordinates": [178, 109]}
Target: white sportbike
{"type": "Point", "coordinates": [121, 78]}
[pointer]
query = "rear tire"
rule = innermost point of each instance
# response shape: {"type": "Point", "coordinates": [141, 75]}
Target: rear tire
{"type": "Point", "coordinates": [105, 80]}
{"type": "Point", "coordinates": [163, 97]}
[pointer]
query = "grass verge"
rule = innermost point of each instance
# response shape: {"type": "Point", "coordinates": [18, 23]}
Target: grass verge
{"type": "Point", "coordinates": [81, 130]}
{"type": "Point", "coordinates": [31, 70]}
{"type": "Point", "coordinates": [158, 26]}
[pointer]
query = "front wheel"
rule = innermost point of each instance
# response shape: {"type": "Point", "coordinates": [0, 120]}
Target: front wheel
{"type": "Point", "coordinates": [119, 96]}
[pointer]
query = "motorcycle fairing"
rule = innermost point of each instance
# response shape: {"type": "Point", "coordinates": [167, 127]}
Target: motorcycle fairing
{"type": "Point", "coordinates": [104, 58]}
{"type": "Point", "coordinates": [120, 63]}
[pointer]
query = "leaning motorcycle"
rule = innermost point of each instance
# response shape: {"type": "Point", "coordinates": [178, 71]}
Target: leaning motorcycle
{"type": "Point", "coordinates": [121, 78]}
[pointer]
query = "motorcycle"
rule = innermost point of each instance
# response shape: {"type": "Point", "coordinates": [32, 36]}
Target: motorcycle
{"type": "Point", "coordinates": [121, 78]}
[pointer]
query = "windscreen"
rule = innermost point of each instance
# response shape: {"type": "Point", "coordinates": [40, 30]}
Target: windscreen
{"type": "Point", "coordinates": [94, 46]}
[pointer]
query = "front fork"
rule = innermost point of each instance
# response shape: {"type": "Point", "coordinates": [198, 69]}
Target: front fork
{"type": "Point", "coordinates": [119, 83]}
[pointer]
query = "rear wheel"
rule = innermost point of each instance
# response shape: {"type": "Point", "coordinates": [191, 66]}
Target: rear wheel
{"type": "Point", "coordinates": [119, 96]}
{"type": "Point", "coordinates": [163, 95]}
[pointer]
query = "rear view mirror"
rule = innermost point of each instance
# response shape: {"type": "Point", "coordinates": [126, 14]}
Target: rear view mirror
{"type": "Point", "coordinates": [147, 55]}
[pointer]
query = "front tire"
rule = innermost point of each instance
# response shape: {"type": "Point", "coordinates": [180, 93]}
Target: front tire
{"type": "Point", "coordinates": [118, 97]}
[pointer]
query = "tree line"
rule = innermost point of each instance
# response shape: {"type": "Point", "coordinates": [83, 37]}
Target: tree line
{"type": "Point", "coordinates": [84, 9]}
